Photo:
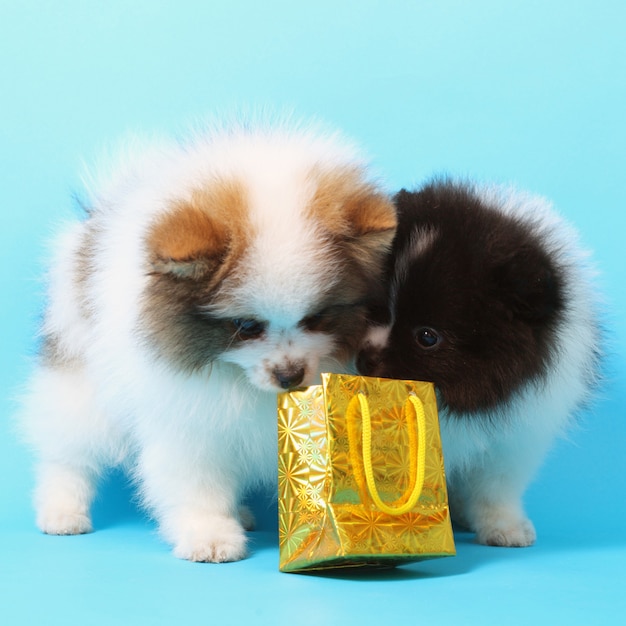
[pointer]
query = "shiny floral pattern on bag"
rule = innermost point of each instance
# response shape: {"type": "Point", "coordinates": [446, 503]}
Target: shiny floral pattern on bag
{"type": "Point", "coordinates": [326, 519]}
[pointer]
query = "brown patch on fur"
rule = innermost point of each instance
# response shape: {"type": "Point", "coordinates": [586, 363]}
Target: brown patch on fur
{"type": "Point", "coordinates": [52, 350]}
{"type": "Point", "coordinates": [350, 207]}
{"type": "Point", "coordinates": [343, 315]}
{"type": "Point", "coordinates": [360, 223]}
{"type": "Point", "coordinates": [84, 267]}
{"type": "Point", "coordinates": [52, 354]}
{"type": "Point", "coordinates": [191, 249]}
{"type": "Point", "coordinates": [354, 213]}
{"type": "Point", "coordinates": [197, 236]}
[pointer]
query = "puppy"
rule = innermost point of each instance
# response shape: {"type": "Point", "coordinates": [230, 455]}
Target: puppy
{"type": "Point", "coordinates": [491, 299]}
{"type": "Point", "coordinates": [205, 277]}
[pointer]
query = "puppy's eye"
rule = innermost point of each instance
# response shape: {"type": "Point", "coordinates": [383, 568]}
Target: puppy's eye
{"type": "Point", "coordinates": [318, 320]}
{"type": "Point", "coordinates": [315, 321]}
{"type": "Point", "coordinates": [322, 320]}
{"type": "Point", "coordinates": [249, 328]}
{"type": "Point", "coordinates": [427, 338]}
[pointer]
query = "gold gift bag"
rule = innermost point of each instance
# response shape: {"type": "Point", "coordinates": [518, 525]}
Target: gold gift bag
{"type": "Point", "coordinates": [360, 477]}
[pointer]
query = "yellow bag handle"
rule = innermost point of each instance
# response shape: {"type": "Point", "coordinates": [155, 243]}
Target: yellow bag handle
{"type": "Point", "coordinates": [364, 472]}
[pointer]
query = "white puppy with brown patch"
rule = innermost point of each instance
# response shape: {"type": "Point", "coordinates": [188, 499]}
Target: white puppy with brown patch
{"type": "Point", "coordinates": [204, 278]}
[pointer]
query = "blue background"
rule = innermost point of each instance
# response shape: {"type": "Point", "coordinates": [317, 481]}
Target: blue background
{"type": "Point", "coordinates": [531, 92]}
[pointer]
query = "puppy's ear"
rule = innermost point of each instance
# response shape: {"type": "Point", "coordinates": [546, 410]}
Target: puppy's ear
{"type": "Point", "coordinates": [350, 209]}
{"type": "Point", "coordinates": [195, 237]}
{"type": "Point", "coordinates": [187, 244]}
{"type": "Point", "coordinates": [404, 199]}
{"type": "Point", "coordinates": [372, 218]}
{"type": "Point", "coordinates": [529, 286]}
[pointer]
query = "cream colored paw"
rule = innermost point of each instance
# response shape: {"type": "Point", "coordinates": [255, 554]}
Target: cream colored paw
{"type": "Point", "coordinates": [215, 540]}
{"type": "Point", "coordinates": [508, 533]}
{"type": "Point", "coordinates": [64, 522]}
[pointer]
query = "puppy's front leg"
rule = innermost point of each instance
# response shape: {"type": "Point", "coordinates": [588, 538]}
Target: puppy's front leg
{"type": "Point", "coordinates": [491, 491]}
{"type": "Point", "coordinates": [63, 496]}
{"type": "Point", "coordinates": [195, 504]}
{"type": "Point", "coordinates": [500, 521]}
{"type": "Point", "coordinates": [488, 501]}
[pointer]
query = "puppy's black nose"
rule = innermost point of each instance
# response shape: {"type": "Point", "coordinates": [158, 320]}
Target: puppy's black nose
{"type": "Point", "coordinates": [289, 378]}
{"type": "Point", "coordinates": [368, 362]}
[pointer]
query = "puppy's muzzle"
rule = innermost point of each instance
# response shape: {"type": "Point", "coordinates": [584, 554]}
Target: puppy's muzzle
{"type": "Point", "coordinates": [369, 361]}
{"type": "Point", "coordinates": [289, 377]}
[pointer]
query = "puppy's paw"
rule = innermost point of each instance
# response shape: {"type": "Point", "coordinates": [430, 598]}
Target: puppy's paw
{"type": "Point", "coordinates": [514, 533]}
{"type": "Point", "coordinates": [216, 539]}
{"type": "Point", "coordinates": [64, 522]}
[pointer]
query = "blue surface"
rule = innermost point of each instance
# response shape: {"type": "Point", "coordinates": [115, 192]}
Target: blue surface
{"type": "Point", "coordinates": [529, 92]}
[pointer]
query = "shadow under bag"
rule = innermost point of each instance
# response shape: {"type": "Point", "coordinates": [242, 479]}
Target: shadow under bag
{"type": "Point", "coordinates": [361, 475]}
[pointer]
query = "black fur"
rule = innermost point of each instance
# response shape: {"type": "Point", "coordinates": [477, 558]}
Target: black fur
{"type": "Point", "coordinates": [484, 284]}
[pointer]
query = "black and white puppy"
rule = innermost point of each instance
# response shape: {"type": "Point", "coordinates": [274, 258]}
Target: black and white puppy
{"type": "Point", "coordinates": [491, 298]}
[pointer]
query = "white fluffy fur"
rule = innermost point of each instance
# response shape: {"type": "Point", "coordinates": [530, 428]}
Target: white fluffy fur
{"type": "Point", "coordinates": [195, 442]}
